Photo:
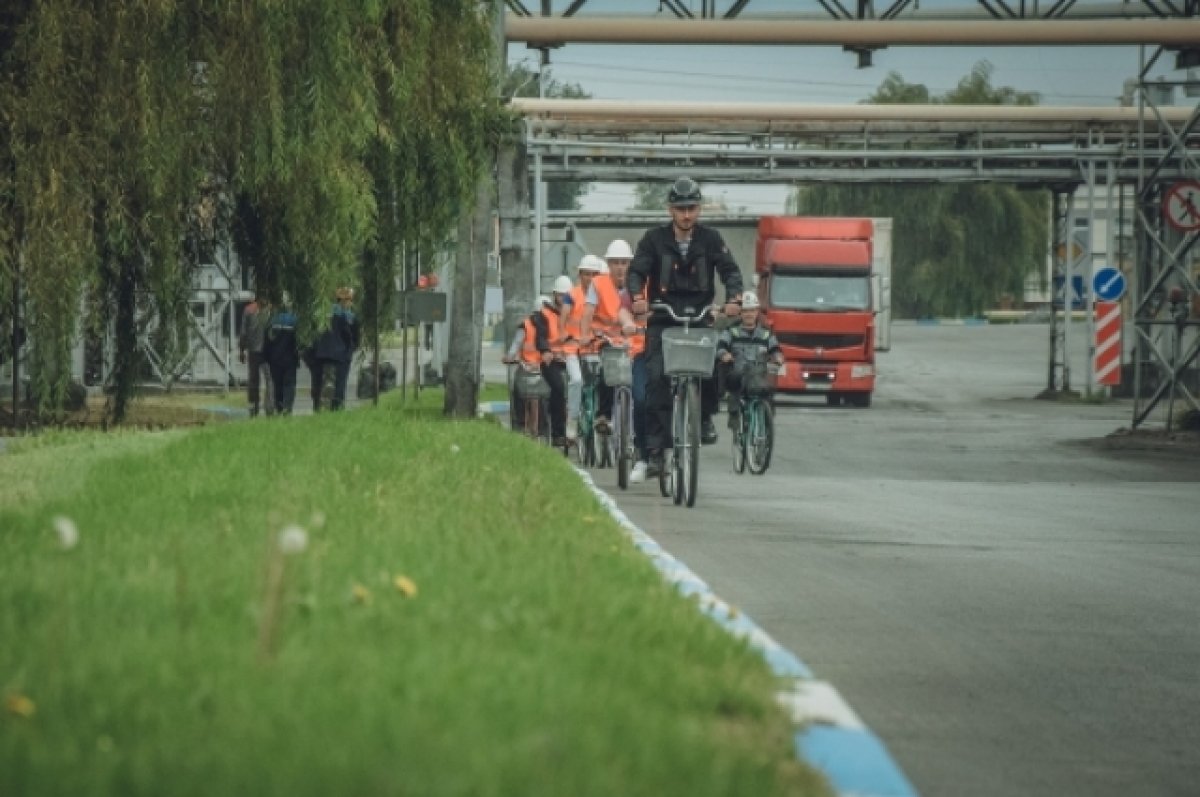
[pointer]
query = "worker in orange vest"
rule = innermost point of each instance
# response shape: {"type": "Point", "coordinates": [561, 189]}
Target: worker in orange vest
{"type": "Point", "coordinates": [531, 345]}
{"type": "Point", "coordinates": [610, 313]}
{"type": "Point", "coordinates": [588, 270]}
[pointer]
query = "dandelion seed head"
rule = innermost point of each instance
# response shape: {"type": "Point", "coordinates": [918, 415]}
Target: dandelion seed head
{"type": "Point", "coordinates": [67, 531]}
{"type": "Point", "coordinates": [454, 449]}
{"type": "Point", "coordinates": [293, 540]}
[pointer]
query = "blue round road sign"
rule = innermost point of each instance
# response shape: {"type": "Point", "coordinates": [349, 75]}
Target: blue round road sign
{"type": "Point", "coordinates": [1109, 284]}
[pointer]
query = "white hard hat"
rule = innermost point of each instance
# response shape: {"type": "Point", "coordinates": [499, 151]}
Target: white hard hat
{"type": "Point", "coordinates": [562, 284]}
{"type": "Point", "coordinates": [592, 263]}
{"type": "Point", "coordinates": [619, 249]}
{"type": "Point", "coordinates": [749, 300]}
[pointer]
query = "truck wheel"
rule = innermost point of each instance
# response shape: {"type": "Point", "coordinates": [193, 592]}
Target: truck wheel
{"type": "Point", "coordinates": [862, 400]}
{"type": "Point", "coordinates": [833, 399]}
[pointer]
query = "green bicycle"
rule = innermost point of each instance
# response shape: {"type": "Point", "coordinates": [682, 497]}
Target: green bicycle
{"type": "Point", "coordinates": [754, 420]}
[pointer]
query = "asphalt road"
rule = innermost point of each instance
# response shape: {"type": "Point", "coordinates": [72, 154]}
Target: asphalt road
{"type": "Point", "coordinates": [1013, 607]}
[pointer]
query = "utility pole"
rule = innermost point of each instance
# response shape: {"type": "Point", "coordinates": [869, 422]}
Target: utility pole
{"type": "Point", "coordinates": [516, 249]}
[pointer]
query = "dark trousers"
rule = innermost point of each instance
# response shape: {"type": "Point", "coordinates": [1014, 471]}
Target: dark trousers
{"type": "Point", "coordinates": [555, 375]}
{"type": "Point", "coordinates": [639, 405]}
{"type": "Point", "coordinates": [284, 379]}
{"type": "Point", "coordinates": [658, 394]}
{"type": "Point", "coordinates": [605, 403]}
{"type": "Point", "coordinates": [341, 375]}
{"type": "Point", "coordinates": [258, 381]}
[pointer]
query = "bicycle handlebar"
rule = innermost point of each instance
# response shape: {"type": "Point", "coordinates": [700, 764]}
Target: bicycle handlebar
{"type": "Point", "coordinates": [688, 319]}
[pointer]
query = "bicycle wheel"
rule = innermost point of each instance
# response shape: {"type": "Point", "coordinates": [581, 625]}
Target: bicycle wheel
{"type": "Point", "coordinates": [602, 445]}
{"type": "Point", "coordinates": [762, 436]}
{"type": "Point", "coordinates": [665, 483]}
{"type": "Point", "coordinates": [738, 437]}
{"type": "Point", "coordinates": [622, 435]}
{"type": "Point", "coordinates": [691, 465]}
{"type": "Point", "coordinates": [584, 450]}
{"type": "Point", "coordinates": [531, 418]}
{"type": "Point", "coordinates": [679, 425]}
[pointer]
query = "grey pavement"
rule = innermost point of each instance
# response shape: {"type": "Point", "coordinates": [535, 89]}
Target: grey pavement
{"type": "Point", "coordinates": [1008, 602]}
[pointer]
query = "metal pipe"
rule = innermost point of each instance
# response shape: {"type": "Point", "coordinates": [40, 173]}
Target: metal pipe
{"type": "Point", "coordinates": [1068, 288]}
{"type": "Point", "coordinates": [1089, 278]}
{"type": "Point", "coordinates": [550, 31]}
{"type": "Point", "coordinates": [695, 112]}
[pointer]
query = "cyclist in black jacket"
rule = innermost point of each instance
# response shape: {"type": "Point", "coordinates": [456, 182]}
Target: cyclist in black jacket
{"type": "Point", "coordinates": [677, 263]}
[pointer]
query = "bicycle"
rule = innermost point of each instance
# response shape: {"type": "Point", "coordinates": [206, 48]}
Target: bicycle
{"type": "Point", "coordinates": [754, 423]}
{"type": "Point", "coordinates": [688, 357]}
{"type": "Point", "coordinates": [591, 451]}
{"type": "Point", "coordinates": [618, 374]}
{"type": "Point", "coordinates": [532, 391]}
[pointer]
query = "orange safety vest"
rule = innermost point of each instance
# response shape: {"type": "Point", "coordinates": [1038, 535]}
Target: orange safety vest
{"type": "Point", "coordinates": [554, 330]}
{"type": "Point", "coordinates": [604, 316]}
{"type": "Point", "coordinates": [529, 350]}
{"type": "Point", "coordinates": [637, 342]}
{"type": "Point", "coordinates": [572, 326]}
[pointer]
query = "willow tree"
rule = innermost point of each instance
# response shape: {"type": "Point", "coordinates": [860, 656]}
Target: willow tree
{"type": "Point", "coordinates": [957, 249]}
{"type": "Point", "coordinates": [315, 137]}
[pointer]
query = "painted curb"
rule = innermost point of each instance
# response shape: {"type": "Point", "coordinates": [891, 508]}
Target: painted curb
{"type": "Point", "coordinates": [492, 407]}
{"type": "Point", "coordinates": [829, 735]}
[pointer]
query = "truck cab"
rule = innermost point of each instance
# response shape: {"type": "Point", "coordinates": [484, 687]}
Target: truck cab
{"type": "Point", "coordinates": [818, 287]}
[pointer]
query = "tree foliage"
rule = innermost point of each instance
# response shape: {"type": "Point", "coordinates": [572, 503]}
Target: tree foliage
{"type": "Point", "coordinates": [957, 249]}
{"type": "Point", "coordinates": [317, 137]}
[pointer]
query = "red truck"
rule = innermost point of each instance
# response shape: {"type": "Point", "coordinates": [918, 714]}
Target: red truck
{"type": "Point", "coordinates": [824, 284]}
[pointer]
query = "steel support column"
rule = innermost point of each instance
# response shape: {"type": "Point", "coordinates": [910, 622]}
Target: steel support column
{"type": "Point", "coordinates": [1166, 310]}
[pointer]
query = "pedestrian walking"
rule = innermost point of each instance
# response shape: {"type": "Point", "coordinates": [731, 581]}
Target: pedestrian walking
{"type": "Point", "coordinates": [282, 355]}
{"type": "Point", "coordinates": [334, 350]}
{"type": "Point", "coordinates": [256, 317]}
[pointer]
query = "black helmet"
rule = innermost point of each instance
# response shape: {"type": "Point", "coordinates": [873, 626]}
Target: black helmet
{"type": "Point", "coordinates": [684, 192]}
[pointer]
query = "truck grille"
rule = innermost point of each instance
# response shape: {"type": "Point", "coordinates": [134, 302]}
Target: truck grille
{"type": "Point", "coordinates": [810, 341]}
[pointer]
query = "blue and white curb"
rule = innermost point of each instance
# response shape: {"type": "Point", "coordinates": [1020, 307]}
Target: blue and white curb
{"type": "Point", "coordinates": [829, 735]}
{"type": "Point", "coordinates": [491, 407]}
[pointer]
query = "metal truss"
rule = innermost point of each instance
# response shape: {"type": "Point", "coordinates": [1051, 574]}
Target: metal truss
{"type": "Point", "coordinates": [908, 9]}
{"type": "Point", "coordinates": [1166, 307]}
{"type": "Point", "coordinates": [1026, 153]}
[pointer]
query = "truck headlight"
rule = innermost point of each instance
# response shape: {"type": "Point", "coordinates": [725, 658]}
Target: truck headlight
{"type": "Point", "coordinates": [861, 371]}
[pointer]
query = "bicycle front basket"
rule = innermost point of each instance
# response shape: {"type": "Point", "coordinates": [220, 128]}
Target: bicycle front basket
{"type": "Point", "coordinates": [689, 352]}
{"type": "Point", "coordinates": [531, 385]}
{"type": "Point", "coordinates": [618, 368]}
{"type": "Point", "coordinates": [757, 380]}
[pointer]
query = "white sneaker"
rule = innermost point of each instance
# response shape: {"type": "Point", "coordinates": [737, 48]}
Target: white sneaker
{"type": "Point", "coordinates": [638, 474]}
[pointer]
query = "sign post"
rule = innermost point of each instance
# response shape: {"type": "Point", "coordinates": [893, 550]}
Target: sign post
{"type": "Point", "coordinates": [1107, 361]}
{"type": "Point", "coordinates": [1181, 205]}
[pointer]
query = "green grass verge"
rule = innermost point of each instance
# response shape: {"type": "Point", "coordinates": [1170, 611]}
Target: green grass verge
{"type": "Point", "coordinates": [541, 655]}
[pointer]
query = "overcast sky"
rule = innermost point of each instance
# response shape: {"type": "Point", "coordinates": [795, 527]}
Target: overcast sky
{"type": "Point", "coordinates": [824, 75]}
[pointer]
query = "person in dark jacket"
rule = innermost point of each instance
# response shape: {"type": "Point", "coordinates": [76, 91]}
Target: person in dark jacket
{"type": "Point", "coordinates": [282, 355]}
{"type": "Point", "coordinates": [256, 317]}
{"type": "Point", "coordinates": [678, 263]}
{"type": "Point", "coordinates": [335, 349]}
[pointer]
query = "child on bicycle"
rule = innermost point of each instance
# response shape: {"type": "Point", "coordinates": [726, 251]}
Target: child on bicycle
{"type": "Point", "coordinates": [742, 344]}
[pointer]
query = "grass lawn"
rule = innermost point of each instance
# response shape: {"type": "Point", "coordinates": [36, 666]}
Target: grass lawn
{"type": "Point", "coordinates": [464, 620]}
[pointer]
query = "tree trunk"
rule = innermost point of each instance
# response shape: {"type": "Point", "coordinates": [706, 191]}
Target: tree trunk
{"type": "Point", "coordinates": [466, 315]}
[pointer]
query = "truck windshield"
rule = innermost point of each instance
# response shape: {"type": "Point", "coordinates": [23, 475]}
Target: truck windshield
{"type": "Point", "coordinates": [822, 290]}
